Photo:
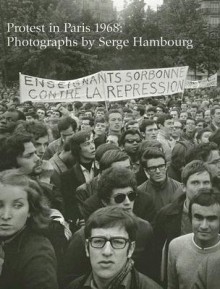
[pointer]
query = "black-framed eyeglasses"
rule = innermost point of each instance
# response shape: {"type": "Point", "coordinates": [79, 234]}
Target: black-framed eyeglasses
{"type": "Point", "coordinates": [154, 169]}
{"type": "Point", "coordinates": [131, 141]}
{"type": "Point", "coordinates": [121, 197]}
{"type": "Point", "coordinates": [116, 242]}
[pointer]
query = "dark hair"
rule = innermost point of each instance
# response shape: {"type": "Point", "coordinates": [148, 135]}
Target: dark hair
{"type": "Point", "coordinates": [114, 178]}
{"type": "Point", "coordinates": [205, 197]}
{"type": "Point", "coordinates": [39, 212]}
{"type": "Point", "coordinates": [12, 147]}
{"type": "Point", "coordinates": [104, 148]}
{"type": "Point", "coordinates": [113, 111]}
{"type": "Point", "coordinates": [201, 152]}
{"type": "Point", "coordinates": [66, 122]}
{"type": "Point", "coordinates": [129, 131]}
{"type": "Point", "coordinates": [145, 123]}
{"type": "Point", "coordinates": [151, 153]}
{"type": "Point", "coordinates": [57, 110]}
{"type": "Point", "coordinates": [90, 119]}
{"type": "Point", "coordinates": [215, 137]}
{"type": "Point", "coordinates": [190, 118]}
{"type": "Point", "coordinates": [20, 114]}
{"type": "Point", "coordinates": [109, 217]}
{"type": "Point", "coordinates": [36, 128]}
{"type": "Point", "coordinates": [131, 122]}
{"type": "Point", "coordinates": [162, 118]}
{"type": "Point", "coordinates": [99, 120]}
{"type": "Point", "coordinates": [152, 108]}
{"type": "Point", "coordinates": [77, 139]}
{"type": "Point", "coordinates": [141, 109]}
{"type": "Point", "coordinates": [201, 132]}
{"type": "Point", "coordinates": [110, 157]}
{"type": "Point", "coordinates": [192, 168]}
{"type": "Point", "coordinates": [146, 144]}
{"type": "Point", "coordinates": [212, 111]}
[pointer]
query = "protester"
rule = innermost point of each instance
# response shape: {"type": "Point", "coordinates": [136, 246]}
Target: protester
{"type": "Point", "coordinates": [160, 188]}
{"type": "Point", "coordinates": [188, 251]}
{"type": "Point", "coordinates": [27, 258]}
{"type": "Point", "coordinates": [172, 221]}
{"type": "Point", "coordinates": [112, 223]}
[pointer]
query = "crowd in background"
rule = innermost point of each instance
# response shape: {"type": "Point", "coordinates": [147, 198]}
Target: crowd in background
{"type": "Point", "coordinates": [63, 164]}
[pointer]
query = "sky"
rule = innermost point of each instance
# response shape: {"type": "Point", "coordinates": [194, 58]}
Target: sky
{"type": "Point", "coordinates": [152, 3]}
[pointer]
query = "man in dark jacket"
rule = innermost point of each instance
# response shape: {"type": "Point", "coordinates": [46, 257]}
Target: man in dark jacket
{"type": "Point", "coordinates": [161, 189]}
{"type": "Point", "coordinates": [116, 187]}
{"type": "Point", "coordinates": [110, 242]}
{"type": "Point", "coordinates": [173, 221]}
{"type": "Point", "coordinates": [83, 150]}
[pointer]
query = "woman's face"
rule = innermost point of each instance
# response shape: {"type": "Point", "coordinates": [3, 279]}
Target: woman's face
{"type": "Point", "coordinates": [14, 209]}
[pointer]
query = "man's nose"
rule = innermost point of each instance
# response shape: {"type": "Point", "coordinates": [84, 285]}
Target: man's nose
{"type": "Point", "coordinates": [204, 224]}
{"type": "Point", "coordinates": [36, 157]}
{"type": "Point", "coordinates": [42, 148]}
{"type": "Point", "coordinates": [107, 249]}
{"type": "Point", "coordinates": [127, 200]}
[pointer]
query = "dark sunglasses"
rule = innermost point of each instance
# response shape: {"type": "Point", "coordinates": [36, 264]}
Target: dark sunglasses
{"type": "Point", "coordinates": [121, 197]}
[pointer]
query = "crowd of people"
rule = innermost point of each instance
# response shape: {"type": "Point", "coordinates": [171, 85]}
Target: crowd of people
{"type": "Point", "coordinates": [110, 195]}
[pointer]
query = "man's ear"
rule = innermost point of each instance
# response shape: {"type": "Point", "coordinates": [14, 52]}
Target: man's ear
{"type": "Point", "coordinates": [87, 248]}
{"type": "Point", "coordinates": [131, 249]}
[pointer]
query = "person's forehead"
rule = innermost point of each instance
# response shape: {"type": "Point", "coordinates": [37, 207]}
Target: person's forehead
{"type": "Point", "coordinates": [9, 192]}
{"type": "Point", "coordinates": [28, 148]}
{"type": "Point", "coordinates": [177, 123]}
{"type": "Point", "coordinates": [132, 136]}
{"type": "Point", "coordinates": [206, 211]}
{"type": "Point", "coordinates": [155, 161]}
{"type": "Point", "coordinates": [123, 191]}
{"type": "Point", "coordinates": [200, 176]}
{"type": "Point", "coordinates": [88, 140]}
{"type": "Point", "coordinates": [85, 121]}
{"type": "Point", "coordinates": [168, 121]}
{"type": "Point", "coordinates": [152, 126]}
{"type": "Point", "coordinates": [217, 111]}
{"type": "Point", "coordinates": [115, 231]}
{"type": "Point", "coordinates": [115, 115]}
{"type": "Point", "coordinates": [190, 121]}
{"type": "Point", "coordinates": [67, 131]}
{"type": "Point", "coordinates": [40, 110]}
{"type": "Point", "coordinates": [42, 140]}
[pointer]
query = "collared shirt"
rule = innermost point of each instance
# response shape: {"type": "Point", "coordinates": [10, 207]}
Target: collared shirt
{"type": "Point", "coordinates": [89, 175]}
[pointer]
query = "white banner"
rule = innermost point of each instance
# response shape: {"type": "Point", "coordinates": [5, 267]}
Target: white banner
{"type": "Point", "coordinates": [105, 86]}
{"type": "Point", "coordinates": [206, 82]}
{"type": "Point", "coordinates": [85, 89]}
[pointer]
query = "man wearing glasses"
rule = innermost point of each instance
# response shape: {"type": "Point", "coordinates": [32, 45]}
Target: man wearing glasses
{"type": "Point", "coordinates": [116, 187]}
{"type": "Point", "coordinates": [110, 242]}
{"type": "Point", "coordinates": [159, 186]}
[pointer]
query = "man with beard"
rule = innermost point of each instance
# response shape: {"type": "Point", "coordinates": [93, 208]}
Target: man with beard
{"type": "Point", "coordinates": [130, 143]}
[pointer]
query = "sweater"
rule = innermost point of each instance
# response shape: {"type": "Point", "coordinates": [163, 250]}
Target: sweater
{"type": "Point", "coordinates": [183, 259]}
{"type": "Point", "coordinates": [208, 276]}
